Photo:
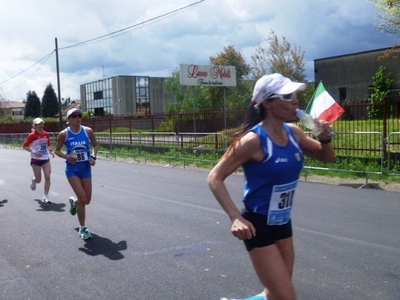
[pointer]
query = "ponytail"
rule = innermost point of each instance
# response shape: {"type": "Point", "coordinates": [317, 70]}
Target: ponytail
{"type": "Point", "coordinates": [253, 116]}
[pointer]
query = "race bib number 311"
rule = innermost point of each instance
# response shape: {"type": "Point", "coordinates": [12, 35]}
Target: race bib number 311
{"type": "Point", "coordinates": [281, 203]}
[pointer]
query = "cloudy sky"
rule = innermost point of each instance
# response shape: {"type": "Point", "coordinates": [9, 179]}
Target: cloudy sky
{"type": "Point", "coordinates": [153, 46]}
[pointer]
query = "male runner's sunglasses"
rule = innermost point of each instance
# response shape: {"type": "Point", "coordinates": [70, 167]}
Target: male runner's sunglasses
{"type": "Point", "coordinates": [76, 116]}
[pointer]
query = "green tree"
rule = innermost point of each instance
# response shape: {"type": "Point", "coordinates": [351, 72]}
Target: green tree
{"type": "Point", "coordinates": [49, 102]}
{"type": "Point", "coordinates": [388, 21]}
{"type": "Point", "coordinates": [32, 105]}
{"type": "Point", "coordinates": [65, 102]}
{"type": "Point", "coordinates": [278, 57]}
{"type": "Point", "coordinates": [389, 17]}
{"type": "Point", "coordinates": [236, 97]}
{"type": "Point", "coordinates": [305, 96]}
{"type": "Point", "coordinates": [379, 91]}
{"type": "Point", "coordinates": [186, 97]}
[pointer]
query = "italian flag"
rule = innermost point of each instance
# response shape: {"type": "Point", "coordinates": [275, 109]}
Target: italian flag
{"type": "Point", "coordinates": [323, 107]}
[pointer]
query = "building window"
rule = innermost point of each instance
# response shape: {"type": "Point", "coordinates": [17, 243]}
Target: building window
{"type": "Point", "coordinates": [342, 94]}
{"type": "Point", "coordinates": [17, 113]}
{"type": "Point", "coordinates": [142, 95]}
{"type": "Point", "coordinates": [98, 95]}
{"type": "Point", "coordinates": [99, 111]}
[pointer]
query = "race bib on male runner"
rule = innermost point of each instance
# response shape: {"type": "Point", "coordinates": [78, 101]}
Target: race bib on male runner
{"type": "Point", "coordinates": [280, 206]}
{"type": "Point", "coordinates": [81, 155]}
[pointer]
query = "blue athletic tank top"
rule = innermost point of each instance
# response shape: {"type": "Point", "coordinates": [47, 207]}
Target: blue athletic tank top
{"type": "Point", "coordinates": [78, 144]}
{"type": "Point", "coordinates": [271, 183]}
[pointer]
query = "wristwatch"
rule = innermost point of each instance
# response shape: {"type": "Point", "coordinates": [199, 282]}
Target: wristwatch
{"type": "Point", "coordinates": [93, 156]}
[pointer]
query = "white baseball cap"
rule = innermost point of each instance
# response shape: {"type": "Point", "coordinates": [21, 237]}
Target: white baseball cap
{"type": "Point", "coordinates": [37, 121]}
{"type": "Point", "coordinates": [273, 85]}
{"type": "Point", "coordinates": [71, 111]}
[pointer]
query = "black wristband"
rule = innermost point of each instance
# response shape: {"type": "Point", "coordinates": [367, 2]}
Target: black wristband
{"type": "Point", "coordinates": [324, 142]}
{"type": "Point", "coordinates": [94, 157]}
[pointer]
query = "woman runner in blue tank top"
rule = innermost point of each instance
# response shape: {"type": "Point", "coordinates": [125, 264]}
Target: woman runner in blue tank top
{"type": "Point", "coordinates": [271, 152]}
{"type": "Point", "coordinates": [78, 141]}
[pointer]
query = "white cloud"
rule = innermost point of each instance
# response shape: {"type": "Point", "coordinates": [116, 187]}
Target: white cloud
{"type": "Point", "coordinates": [321, 28]}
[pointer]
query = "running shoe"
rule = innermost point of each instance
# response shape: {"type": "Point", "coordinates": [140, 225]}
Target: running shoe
{"type": "Point", "coordinates": [46, 200]}
{"type": "Point", "coordinates": [33, 184]}
{"type": "Point", "coordinates": [73, 208]}
{"type": "Point", "coordinates": [84, 233]}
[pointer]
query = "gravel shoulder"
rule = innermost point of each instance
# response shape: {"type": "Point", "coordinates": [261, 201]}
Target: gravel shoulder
{"type": "Point", "coordinates": [355, 183]}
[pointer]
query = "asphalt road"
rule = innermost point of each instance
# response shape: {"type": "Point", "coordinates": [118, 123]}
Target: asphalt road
{"type": "Point", "coordinates": [160, 234]}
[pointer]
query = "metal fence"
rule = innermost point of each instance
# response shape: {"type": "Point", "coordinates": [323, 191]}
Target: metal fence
{"type": "Point", "coordinates": [359, 116]}
{"type": "Point", "coordinates": [393, 153]}
{"type": "Point", "coordinates": [363, 153]}
{"type": "Point", "coordinates": [366, 135]}
{"type": "Point", "coordinates": [355, 152]}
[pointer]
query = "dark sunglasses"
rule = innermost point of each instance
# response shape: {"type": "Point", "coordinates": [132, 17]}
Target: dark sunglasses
{"type": "Point", "coordinates": [76, 116]}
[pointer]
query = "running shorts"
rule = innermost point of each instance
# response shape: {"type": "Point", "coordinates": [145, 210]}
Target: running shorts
{"type": "Point", "coordinates": [266, 235]}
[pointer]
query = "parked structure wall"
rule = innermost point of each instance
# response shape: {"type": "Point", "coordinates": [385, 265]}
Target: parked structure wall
{"type": "Point", "coordinates": [159, 96]}
{"type": "Point", "coordinates": [124, 95]}
{"type": "Point", "coordinates": [349, 77]}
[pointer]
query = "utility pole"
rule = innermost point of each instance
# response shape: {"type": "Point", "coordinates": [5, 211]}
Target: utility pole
{"type": "Point", "coordinates": [58, 87]}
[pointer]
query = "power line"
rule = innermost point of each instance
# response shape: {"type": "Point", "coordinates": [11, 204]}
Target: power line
{"type": "Point", "coordinates": [44, 59]}
{"type": "Point", "coordinates": [120, 31]}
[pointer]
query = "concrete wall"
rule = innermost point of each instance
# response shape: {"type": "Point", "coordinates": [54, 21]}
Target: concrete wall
{"type": "Point", "coordinates": [159, 97]}
{"type": "Point", "coordinates": [124, 95]}
{"type": "Point", "coordinates": [354, 73]}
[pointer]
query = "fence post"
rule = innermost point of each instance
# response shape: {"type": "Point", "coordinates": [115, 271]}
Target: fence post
{"type": "Point", "coordinates": [110, 146]}
{"type": "Point", "coordinates": [385, 117]}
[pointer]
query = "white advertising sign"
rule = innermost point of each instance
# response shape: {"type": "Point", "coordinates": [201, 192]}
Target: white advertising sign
{"type": "Point", "coordinates": [204, 75]}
